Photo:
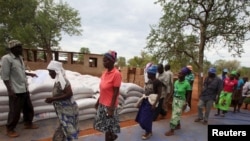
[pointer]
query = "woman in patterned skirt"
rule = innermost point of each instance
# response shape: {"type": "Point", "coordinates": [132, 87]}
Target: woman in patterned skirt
{"type": "Point", "coordinates": [65, 106]}
{"type": "Point", "coordinates": [107, 120]}
{"type": "Point", "coordinates": [182, 91]}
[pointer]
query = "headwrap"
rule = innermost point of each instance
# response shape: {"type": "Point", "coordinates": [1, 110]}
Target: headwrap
{"type": "Point", "coordinates": [212, 70]}
{"type": "Point", "coordinates": [14, 43]}
{"type": "Point", "coordinates": [60, 72]}
{"type": "Point", "coordinates": [225, 70]}
{"type": "Point", "coordinates": [148, 65]}
{"type": "Point", "coordinates": [234, 73]}
{"type": "Point", "coordinates": [190, 67]}
{"type": "Point", "coordinates": [112, 55]}
{"type": "Point", "coordinates": [152, 69]}
{"type": "Point", "coordinates": [185, 70]}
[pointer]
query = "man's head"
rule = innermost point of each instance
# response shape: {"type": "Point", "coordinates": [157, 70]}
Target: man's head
{"type": "Point", "coordinates": [225, 71]}
{"type": "Point", "coordinates": [160, 68]}
{"type": "Point", "coordinates": [212, 72]}
{"type": "Point", "coordinates": [15, 47]}
{"type": "Point", "coordinates": [167, 67]}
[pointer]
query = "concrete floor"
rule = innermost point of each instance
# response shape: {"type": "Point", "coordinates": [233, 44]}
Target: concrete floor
{"type": "Point", "coordinates": [190, 130]}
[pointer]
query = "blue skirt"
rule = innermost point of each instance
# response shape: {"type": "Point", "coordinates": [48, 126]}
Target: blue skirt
{"type": "Point", "coordinates": [145, 116]}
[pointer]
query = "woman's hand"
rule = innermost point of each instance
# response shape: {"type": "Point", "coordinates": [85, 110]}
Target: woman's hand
{"type": "Point", "coordinates": [110, 112]}
{"type": "Point", "coordinates": [184, 106]}
{"type": "Point", "coordinates": [49, 100]}
{"type": "Point", "coordinates": [96, 105]}
{"type": "Point", "coordinates": [153, 106]}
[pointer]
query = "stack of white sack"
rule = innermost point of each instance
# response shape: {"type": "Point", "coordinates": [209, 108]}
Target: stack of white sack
{"type": "Point", "coordinates": [40, 88]}
{"type": "Point", "coordinates": [4, 104]}
{"type": "Point", "coordinates": [85, 92]}
{"type": "Point", "coordinates": [130, 93]}
{"type": "Point", "coordinates": [79, 86]}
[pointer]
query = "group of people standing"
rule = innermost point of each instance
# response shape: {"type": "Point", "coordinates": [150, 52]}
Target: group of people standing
{"type": "Point", "coordinates": [221, 92]}
{"type": "Point", "coordinates": [14, 76]}
{"type": "Point", "coordinates": [161, 82]}
{"type": "Point", "coordinates": [218, 92]}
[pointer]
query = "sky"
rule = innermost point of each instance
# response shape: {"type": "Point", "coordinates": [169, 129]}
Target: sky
{"type": "Point", "coordinates": [123, 26]}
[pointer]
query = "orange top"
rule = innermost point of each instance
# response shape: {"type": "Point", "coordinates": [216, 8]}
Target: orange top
{"type": "Point", "coordinates": [109, 80]}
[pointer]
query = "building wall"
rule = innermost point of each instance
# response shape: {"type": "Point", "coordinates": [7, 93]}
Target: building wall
{"type": "Point", "coordinates": [85, 66]}
{"type": "Point", "coordinates": [91, 64]}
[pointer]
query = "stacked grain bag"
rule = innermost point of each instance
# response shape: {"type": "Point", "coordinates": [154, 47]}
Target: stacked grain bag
{"type": "Point", "coordinates": [85, 92]}
{"type": "Point", "coordinates": [130, 93]}
{"type": "Point", "coordinates": [40, 88]}
{"type": "Point", "coordinates": [4, 104]}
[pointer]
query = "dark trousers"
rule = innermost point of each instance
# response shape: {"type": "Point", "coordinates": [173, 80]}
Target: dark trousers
{"type": "Point", "coordinates": [21, 103]}
{"type": "Point", "coordinates": [189, 100]}
{"type": "Point", "coordinates": [159, 110]}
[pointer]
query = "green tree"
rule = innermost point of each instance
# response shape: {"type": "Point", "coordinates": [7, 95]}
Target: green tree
{"type": "Point", "coordinates": [121, 62]}
{"type": "Point", "coordinates": [51, 20]}
{"type": "Point", "coordinates": [228, 64]}
{"type": "Point", "coordinates": [212, 22]}
{"type": "Point", "coordinates": [37, 23]}
{"type": "Point", "coordinates": [83, 50]}
{"type": "Point", "coordinates": [245, 72]}
{"type": "Point", "coordinates": [16, 21]}
{"type": "Point", "coordinates": [141, 61]}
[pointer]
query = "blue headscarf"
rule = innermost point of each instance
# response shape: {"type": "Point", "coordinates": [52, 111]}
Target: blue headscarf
{"type": "Point", "coordinates": [152, 69]}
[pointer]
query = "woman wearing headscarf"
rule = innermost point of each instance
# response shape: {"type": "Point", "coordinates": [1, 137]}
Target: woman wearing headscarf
{"type": "Point", "coordinates": [237, 95]}
{"type": "Point", "coordinates": [147, 107]}
{"type": "Point", "coordinates": [107, 118]}
{"type": "Point", "coordinates": [190, 78]}
{"type": "Point", "coordinates": [182, 90]}
{"type": "Point", "coordinates": [65, 106]}
{"type": "Point", "coordinates": [224, 100]}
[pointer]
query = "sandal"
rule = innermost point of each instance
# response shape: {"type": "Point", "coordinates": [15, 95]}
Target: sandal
{"type": "Point", "coordinates": [113, 137]}
{"type": "Point", "coordinates": [169, 133]}
{"type": "Point", "coordinates": [205, 122]}
{"type": "Point", "coordinates": [146, 136]}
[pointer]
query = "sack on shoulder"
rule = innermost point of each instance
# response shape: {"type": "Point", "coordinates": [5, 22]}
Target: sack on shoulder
{"type": "Point", "coordinates": [139, 101]}
{"type": "Point", "coordinates": [152, 99]}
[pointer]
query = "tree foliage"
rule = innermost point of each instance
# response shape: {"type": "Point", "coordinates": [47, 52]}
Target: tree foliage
{"type": "Point", "coordinates": [228, 64]}
{"type": "Point", "coordinates": [51, 20]}
{"type": "Point", "coordinates": [141, 61]}
{"type": "Point", "coordinates": [37, 23]}
{"type": "Point", "coordinates": [121, 62]}
{"type": "Point", "coordinates": [189, 27]}
{"type": "Point", "coordinates": [231, 65]}
{"type": "Point", "coordinates": [83, 50]}
{"type": "Point", "coordinates": [16, 21]}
